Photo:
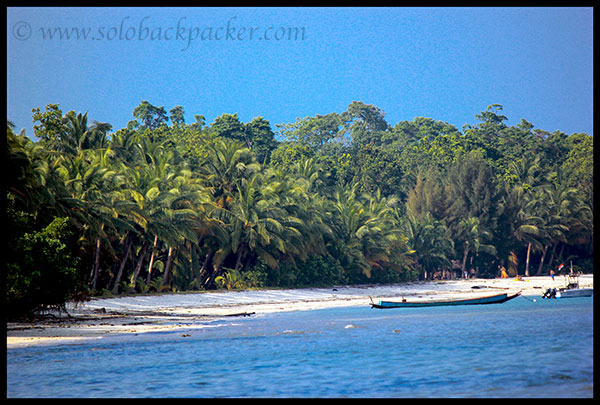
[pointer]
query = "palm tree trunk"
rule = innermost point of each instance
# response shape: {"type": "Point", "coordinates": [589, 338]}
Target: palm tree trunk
{"type": "Point", "coordinates": [149, 276]}
{"type": "Point", "coordinates": [418, 267]}
{"type": "Point", "coordinates": [239, 258]}
{"type": "Point", "coordinates": [204, 268]}
{"type": "Point", "coordinates": [552, 255]}
{"type": "Point", "coordinates": [539, 271]}
{"type": "Point", "coordinates": [96, 264]}
{"type": "Point", "coordinates": [513, 263]}
{"type": "Point", "coordinates": [562, 248]}
{"type": "Point", "coordinates": [168, 267]}
{"type": "Point", "coordinates": [527, 261]}
{"type": "Point", "coordinates": [207, 259]}
{"type": "Point", "coordinates": [129, 243]}
{"type": "Point", "coordinates": [464, 263]}
{"type": "Point", "coordinates": [135, 274]}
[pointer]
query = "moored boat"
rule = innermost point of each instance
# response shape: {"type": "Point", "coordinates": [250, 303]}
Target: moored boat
{"type": "Point", "coordinates": [571, 290]}
{"type": "Point", "coordinates": [575, 292]}
{"type": "Point", "coordinates": [491, 299]}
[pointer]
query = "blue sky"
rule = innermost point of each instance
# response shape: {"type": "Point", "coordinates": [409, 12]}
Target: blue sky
{"type": "Point", "coordinates": [444, 63]}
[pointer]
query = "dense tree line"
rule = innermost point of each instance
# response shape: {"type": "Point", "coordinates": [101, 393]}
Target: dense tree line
{"type": "Point", "coordinates": [342, 198]}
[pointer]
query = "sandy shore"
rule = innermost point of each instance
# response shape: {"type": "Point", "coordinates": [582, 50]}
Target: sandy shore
{"type": "Point", "coordinates": [102, 316]}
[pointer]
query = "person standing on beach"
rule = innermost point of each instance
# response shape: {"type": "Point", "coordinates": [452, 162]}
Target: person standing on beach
{"type": "Point", "coordinates": [552, 274]}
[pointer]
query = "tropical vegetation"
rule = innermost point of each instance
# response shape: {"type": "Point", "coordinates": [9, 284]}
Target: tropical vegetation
{"type": "Point", "coordinates": [342, 198]}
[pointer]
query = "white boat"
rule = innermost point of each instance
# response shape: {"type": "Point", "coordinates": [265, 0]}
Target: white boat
{"type": "Point", "coordinates": [571, 290]}
{"type": "Point", "coordinates": [574, 292]}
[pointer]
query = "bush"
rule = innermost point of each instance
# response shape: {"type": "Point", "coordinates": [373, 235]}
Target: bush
{"type": "Point", "coordinates": [233, 279]}
{"type": "Point", "coordinates": [317, 270]}
{"type": "Point", "coordinates": [41, 273]}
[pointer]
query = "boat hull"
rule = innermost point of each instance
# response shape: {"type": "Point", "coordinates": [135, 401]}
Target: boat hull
{"type": "Point", "coordinates": [577, 292]}
{"type": "Point", "coordinates": [494, 299]}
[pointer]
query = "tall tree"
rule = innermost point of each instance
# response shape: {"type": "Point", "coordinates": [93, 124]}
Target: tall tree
{"type": "Point", "coordinates": [176, 115]}
{"type": "Point", "coordinates": [229, 126]}
{"type": "Point", "coordinates": [471, 189]}
{"type": "Point", "coordinates": [260, 138]}
{"type": "Point", "coordinates": [150, 116]}
{"type": "Point", "coordinates": [364, 123]}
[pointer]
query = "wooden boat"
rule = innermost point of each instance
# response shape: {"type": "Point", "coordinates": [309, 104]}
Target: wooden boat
{"type": "Point", "coordinates": [492, 299]}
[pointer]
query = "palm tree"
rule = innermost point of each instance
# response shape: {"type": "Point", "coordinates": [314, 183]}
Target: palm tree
{"type": "Point", "coordinates": [185, 211]}
{"type": "Point", "coordinates": [428, 238]}
{"type": "Point", "coordinates": [156, 207]}
{"type": "Point", "coordinates": [521, 208]}
{"type": "Point", "coordinates": [225, 166]}
{"type": "Point", "coordinates": [79, 136]}
{"type": "Point", "coordinates": [561, 214]}
{"type": "Point", "coordinates": [363, 228]}
{"type": "Point", "coordinates": [29, 172]}
{"type": "Point", "coordinates": [227, 162]}
{"type": "Point", "coordinates": [256, 225]}
{"type": "Point", "coordinates": [128, 147]}
{"type": "Point", "coordinates": [527, 173]}
{"type": "Point", "coordinates": [528, 228]}
{"type": "Point", "coordinates": [302, 212]}
{"type": "Point", "coordinates": [389, 246]}
{"type": "Point", "coordinates": [472, 236]}
{"type": "Point", "coordinates": [349, 222]}
{"type": "Point", "coordinates": [86, 188]}
{"type": "Point", "coordinates": [88, 183]}
{"type": "Point", "coordinates": [309, 171]}
{"type": "Point", "coordinates": [170, 202]}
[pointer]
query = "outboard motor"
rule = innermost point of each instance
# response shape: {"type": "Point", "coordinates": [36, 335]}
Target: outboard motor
{"type": "Point", "coordinates": [550, 293]}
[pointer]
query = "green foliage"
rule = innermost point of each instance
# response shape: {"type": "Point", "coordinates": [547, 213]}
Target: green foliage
{"type": "Point", "coordinates": [343, 198]}
{"type": "Point", "coordinates": [380, 168]}
{"type": "Point", "coordinates": [176, 115]}
{"type": "Point", "coordinates": [261, 138]}
{"type": "Point", "coordinates": [41, 273]}
{"type": "Point", "coordinates": [471, 190]}
{"type": "Point", "coordinates": [289, 153]}
{"type": "Point", "coordinates": [255, 135]}
{"type": "Point", "coordinates": [151, 116]}
{"type": "Point", "coordinates": [579, 163]}
{"type": "Point", "coordinates": [363, 123]}
{"type": "Point", "coordinates": [316, 270]}
{"type": "Point", "coordinates": [229, 126]}
{"type": "Point", "coordinates": [430, 243]}
{"type": "Point", "coordinates": [233, 279]}
{"type": "Point", "coordinates": [51, 125]}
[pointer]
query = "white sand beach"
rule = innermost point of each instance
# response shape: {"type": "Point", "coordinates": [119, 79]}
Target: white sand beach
{"type": "Point", "coordinates": [184, 311]}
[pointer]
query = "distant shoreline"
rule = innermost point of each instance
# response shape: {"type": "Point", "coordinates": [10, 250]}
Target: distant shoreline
{"type": "Point", "coordinates": [184, 311]}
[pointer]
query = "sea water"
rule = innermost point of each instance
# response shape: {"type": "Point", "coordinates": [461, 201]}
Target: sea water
{"type": "Point", "coordinates": [516, 349]}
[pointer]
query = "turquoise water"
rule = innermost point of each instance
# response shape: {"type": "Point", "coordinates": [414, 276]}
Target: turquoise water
{"type": "Point", "coordinates": [516, 349]}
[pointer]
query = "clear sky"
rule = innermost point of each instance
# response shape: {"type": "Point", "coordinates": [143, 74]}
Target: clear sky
{"type": "Point", "coordinates": [444, 63]}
